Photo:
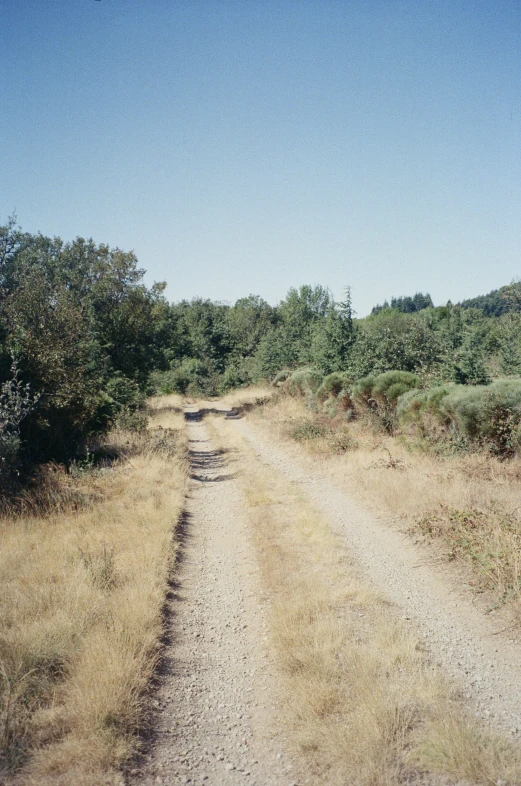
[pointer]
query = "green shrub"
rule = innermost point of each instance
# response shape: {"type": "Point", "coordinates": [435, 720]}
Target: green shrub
{"type": "Point", "coordinates": [281, 377]}
{"type": "Point", "coordinates": [482, 415]}
{"type": "Point", "coordinates": [16, 402]}
{"type": "Point", "coordinates": [233, 377]}
{"type": "Point", "coordinates": [381, 393]}
{"type": "Point", "coordinates": [332, 385]}
{"type": "Point", "coordinates": [392, 384]}
{"type": "Point", "coordinates": [304, 381]}
{"type": "Point", "coordinates": [418, 406]}
{"type": "Point", "coordinates": [363, 389]}
{"type": "Point", "coordinates": [303, 429]}
{"type": "Point", "coordinates": [191, 376]}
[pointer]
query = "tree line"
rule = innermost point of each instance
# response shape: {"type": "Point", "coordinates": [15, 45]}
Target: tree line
{"type": "Point", "coordinates": [83, 340]}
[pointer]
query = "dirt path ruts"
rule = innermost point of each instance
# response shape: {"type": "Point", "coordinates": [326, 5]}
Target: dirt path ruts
{"type": "Point", "coordinates": [216, 707]}
{"type": "Point", "coordinates": [462, 639]}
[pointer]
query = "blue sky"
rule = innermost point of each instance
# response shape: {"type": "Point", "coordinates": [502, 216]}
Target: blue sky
{"type": "Point", "coordinates": [249, 146]}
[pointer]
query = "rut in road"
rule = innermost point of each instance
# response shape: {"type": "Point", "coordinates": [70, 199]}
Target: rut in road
{"type": "Point", "coordinates": [215, 720]}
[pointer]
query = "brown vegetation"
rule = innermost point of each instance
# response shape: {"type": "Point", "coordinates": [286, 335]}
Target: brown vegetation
{"type": "Point", "coordinates": [83, 585]}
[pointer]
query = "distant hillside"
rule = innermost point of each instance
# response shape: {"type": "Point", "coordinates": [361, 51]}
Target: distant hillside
{"type": "Point", "coordinates": [497, 302]}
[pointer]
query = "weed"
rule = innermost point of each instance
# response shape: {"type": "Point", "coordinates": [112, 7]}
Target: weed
{"type": "Point", "coordinates": [305, 429]}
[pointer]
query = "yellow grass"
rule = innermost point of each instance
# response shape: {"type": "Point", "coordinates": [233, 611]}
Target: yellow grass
{"type": "Point", "coordinates": [469, 501]}
{"type": "Point", "coordinates": [365, 704]}
{"type": "Point", "coordinates": [81, 604]}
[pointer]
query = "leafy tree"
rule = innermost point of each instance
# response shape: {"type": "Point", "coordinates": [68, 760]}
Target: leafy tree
{"type": "Point", "coordinates": [333, 337]}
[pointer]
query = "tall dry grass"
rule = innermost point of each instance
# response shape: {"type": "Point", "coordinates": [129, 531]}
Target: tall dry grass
{"type": "Point", "coordinates": [81, 610]}
{"type": "Point", "coordinates": [364, 703]}
{"type": "Point", "coordinates": [468, 501]}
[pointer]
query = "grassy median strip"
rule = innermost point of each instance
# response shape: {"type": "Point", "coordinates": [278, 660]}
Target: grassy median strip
{"type": "Point", "coordinates": [364, 701]}
{"type": "Point", "coordinates": [81, 608]}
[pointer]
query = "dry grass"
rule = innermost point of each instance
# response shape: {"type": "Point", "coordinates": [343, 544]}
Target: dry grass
{"type": "Point", "coordinates": [246, 398]}
{"type": "Point", "coordinates": [81, 605]}
{"type": "Point", "coordinates": [365, 704]}
{"type": "Point", "coordinates": [470, 501]}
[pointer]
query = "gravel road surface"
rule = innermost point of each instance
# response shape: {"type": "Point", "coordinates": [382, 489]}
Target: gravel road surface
{"type": "Point", "coordinates": [215, 720]}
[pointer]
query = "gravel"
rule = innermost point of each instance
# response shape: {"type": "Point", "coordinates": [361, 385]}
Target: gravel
{"type": "Point", "coordinates": [215, 719]}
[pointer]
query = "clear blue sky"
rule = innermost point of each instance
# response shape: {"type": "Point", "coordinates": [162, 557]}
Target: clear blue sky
{"type": "Point", "coordinates": [249, 146]}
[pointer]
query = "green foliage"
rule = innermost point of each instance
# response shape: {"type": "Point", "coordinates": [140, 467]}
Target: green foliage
{"type": "Point", "coordinates": [85, 333]}
{"type": "Point", "coordinates": [391, 340]}
{"type": "Point", "coordinates": [407, 305]}
{"type": "Point", "coordinates": [191, 376]}
{"type": "Point", "coordinates": [304, 382]}
{"type": "Point", "coordinates": [16, 403]}
{"type": "Point", "coordinates": [281, 377]}
{"type": "Point", "coordinates": [385, 388]}
{"type": "Point", "coordinates": [381, 393]}
{"type": "Point", "coordinates": [90, 339]}
{"type": "Point", "coordinates": [498, 302]}
{"type": "Point", "coordinates": [333, 337]}
{"type": "Point", "coordinates": [333, 385]}
{"type": "Point", "coordinates": [469, 366]}
{"type": "Point", "coordinates": [483, 415]}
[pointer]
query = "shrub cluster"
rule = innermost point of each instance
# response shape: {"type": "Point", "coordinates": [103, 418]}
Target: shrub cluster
{"type": "Point", "coordinates": [488, 416]}
{"type": "Point", "coordinates": [483, 416]}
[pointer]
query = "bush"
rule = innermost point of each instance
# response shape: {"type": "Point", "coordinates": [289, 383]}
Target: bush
{"type": "Point", "coordinates": [232, 378]}
{"type": "Point", "coordinates": [422, 409]}
{"type": "Point", "coordinates": [381, 393]}
{"type": "Point", "coordinates": [16, 402]}
{"type": "Point", "coordinates": [484, 415]}
{"type": "Point", "coordinates": [303, 382]}
{"type": "Point", "coordinates": [189, 377]}
{"type": "Point", "coordinates": [332, 385]}
{"type": "Point", "coordinates": [281, 377]}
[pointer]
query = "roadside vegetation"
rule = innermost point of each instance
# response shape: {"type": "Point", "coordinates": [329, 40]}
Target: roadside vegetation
{"type": "Point", "coordinates": [361, 696]}
{"type": "Point", "coordinates": [83, 341]}
{"type": "Point", "coordinates": [419, 405]}
{"type": "Point", "coordinates": [84, 568]}
{"type": "Point", "coordinates": [445, 460]}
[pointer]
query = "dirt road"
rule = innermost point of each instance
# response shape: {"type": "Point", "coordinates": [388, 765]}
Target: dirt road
{"type": "Point", "coordinates": [217, 717]}
{"type": "Point", "coordinates": [217, 704]}
{"type": "Point", "coordinates": [464, 641]}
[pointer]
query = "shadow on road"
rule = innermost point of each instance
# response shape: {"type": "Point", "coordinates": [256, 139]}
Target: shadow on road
{"type": "Point", "coordinates": [204, 463]}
